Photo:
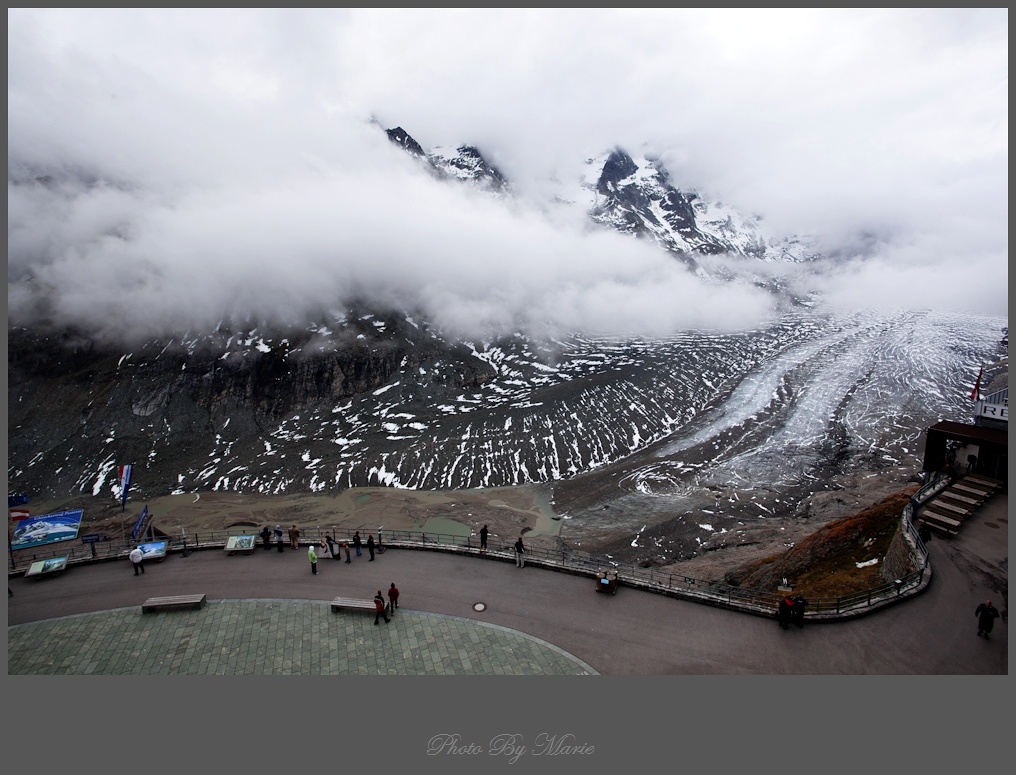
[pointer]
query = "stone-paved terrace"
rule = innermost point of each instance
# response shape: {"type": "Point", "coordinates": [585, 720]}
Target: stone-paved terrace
{"type": "Point", "coordinates": [278, 637]}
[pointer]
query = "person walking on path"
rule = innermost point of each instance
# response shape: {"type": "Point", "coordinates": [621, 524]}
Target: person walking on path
{"type": "Point", "coordinates": [278, 536]}
{"type": "Point", "coordinates": [783, 613]}
{"type": "Point", "coordinates": [520, 554]}
{"type": "Point", "coordinates": [357, 543]}
{"type": "Point", "coordinates": [294, 537]}
{"type": "Point", "coordinates": [137, 558]}
{"type": "Point", "coordinates": [379, 606]}
{"type": "Point", "coordinates": [346, 547]}
{"type": "Point", "coordinates": [986, 615]}
{"type": "Point", "coordinates": [393, 598]}
{"type": "Point", "coordinates": [797, 610]}
{"type": "Point", "coordinates": [483, 540]}
{"type": "Point", "coordinates": [312, 556]}
{"type": "Point", "coordinates": [266, 537]}
{"type": "Point", "coordinates": [370, 547]}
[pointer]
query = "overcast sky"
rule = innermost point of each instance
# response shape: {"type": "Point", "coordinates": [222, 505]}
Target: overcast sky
{"type": "Point", "coordinates": [239, 173]}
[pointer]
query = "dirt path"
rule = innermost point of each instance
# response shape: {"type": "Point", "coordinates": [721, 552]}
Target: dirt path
{"type": "Point", "coordinates": [507, 511]}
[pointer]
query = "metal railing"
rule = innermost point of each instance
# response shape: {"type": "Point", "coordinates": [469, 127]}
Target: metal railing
{"type": "Point", "coordinates": [564, 559]}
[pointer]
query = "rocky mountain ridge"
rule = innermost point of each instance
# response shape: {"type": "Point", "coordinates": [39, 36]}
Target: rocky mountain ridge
{"type": "Point", "coordinates": [632, 195]}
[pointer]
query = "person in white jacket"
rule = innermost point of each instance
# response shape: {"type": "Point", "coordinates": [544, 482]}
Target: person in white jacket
{"type": "Point", "coordinates": [137, 558]}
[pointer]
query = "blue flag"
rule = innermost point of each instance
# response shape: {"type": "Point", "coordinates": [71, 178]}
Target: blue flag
{"type": "Point", "coordinates": [139, 526]}
{"type": "Point", "coordinates": [125, 483]}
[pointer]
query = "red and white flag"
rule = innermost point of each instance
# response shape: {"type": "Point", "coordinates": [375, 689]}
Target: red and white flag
{"type": "Point", "coordinates": [19, 512]}
{"type": "Point", "coordinates": [975, 394]}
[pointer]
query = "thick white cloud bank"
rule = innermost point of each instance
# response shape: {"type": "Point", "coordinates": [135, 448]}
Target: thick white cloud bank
{"type": "Point", "coordinates": [231, 171]}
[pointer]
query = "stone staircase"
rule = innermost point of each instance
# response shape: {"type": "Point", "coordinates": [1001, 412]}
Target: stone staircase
{"type": "Point", "coordinates": [946, 511]}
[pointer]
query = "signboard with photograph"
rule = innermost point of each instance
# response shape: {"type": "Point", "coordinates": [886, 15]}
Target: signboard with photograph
{"type": "Point", "coordinates": [241, 544]}
{"type": "Point", "coordinates": [51, 565]}
{"type": "Point", "coordinates": [47, 529]}
{"type": "Point", "coordinates": [154, 550]}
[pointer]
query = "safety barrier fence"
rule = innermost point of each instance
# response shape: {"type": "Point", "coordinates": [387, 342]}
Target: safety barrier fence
{"type": "Point", "coordinates": [562, 559]}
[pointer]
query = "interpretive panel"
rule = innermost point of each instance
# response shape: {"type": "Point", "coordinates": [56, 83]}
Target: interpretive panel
{"type": "Point", "coordinates": [154, 550]}
{"type": "Point", "coordinates": [51, 565]}
{"type": "Point", "coordinates": [47, 529]}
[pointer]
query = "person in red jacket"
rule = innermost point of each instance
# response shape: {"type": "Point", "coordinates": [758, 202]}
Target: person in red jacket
{"type": "Point", "coordinates": [379, 606]}
{"type": "Point", "coordinates": [393, 597]}
{"type": "Point", "coordinates": [784, 611]}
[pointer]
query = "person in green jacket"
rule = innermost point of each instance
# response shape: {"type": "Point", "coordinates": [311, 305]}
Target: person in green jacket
{"type": "Point", "coordinates": [312, 556]}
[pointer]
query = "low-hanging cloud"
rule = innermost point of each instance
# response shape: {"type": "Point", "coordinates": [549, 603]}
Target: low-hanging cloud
{"type": "Point", "coordinates": [292, 249]}
{"type": "Point", "coordinates": [203, 166]}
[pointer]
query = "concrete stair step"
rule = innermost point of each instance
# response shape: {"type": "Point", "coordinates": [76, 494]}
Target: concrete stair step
{"type": "Point", "coordinates": [930, 515]}
{"type": "Point", "coordinates": [979, 492]}
{"type": "Point", "coordinates": [982, 480]}
{"type": "Point", "coordinates": [959, 497]}
{"type": "Point", "coordinates": [941, 504]}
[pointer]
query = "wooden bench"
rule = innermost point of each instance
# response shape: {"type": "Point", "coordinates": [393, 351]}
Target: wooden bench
{"type": "Point", "coordinates": [173, 602]}
{"type": "Point", "coordinates": [340, 603]}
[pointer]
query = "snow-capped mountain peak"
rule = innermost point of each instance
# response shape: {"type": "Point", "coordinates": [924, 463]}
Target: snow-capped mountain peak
{"type": "Point", "coordinates": [633, 195]}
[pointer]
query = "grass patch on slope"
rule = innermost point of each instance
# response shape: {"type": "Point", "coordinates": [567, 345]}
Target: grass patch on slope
{"type": "Point", "coordinates": [825, 564]}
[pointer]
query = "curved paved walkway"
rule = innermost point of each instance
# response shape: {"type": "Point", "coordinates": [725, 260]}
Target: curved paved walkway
{"type": "Point", "coordinates": [242, 637]}
{"type": "Point", "coordinates": [534, 620]}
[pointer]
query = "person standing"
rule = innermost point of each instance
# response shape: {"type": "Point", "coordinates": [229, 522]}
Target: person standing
{"type": "Point", "coordinates": [784, 610]}
{"type": "Point", "coordinates": [312, 556]}
{"type": "Point", "coordinates": [278, 536]}
{"type": "Point", "coordinates": [520, 554]}
{"type": "Point", "coordinates": [483, 540]}
{"type": "Point", "coordinates": [357, 543]}
{"type": "Point", "coordinates": [137, 558]}
{"type": "Point", "coordinates": [797, 611]}
{"type": "Point", "coordinates": [370, 546]}
{"type": "Point", "coordinates": [294, 537]}
{"type": "Point", "coordinates": [393, 598]}
{"type": "Point", "coordinates": [266, 537]}
{"type": "Point", "coordinates": [379, 607]}
{"type": "Point", "coordinates": [986, 615]}
{"type": "Point", "coordinates": [345, 546]}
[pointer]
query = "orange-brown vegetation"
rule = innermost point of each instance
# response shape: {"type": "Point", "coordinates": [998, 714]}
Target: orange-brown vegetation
{"type": "Point", "coordinates": [825, 563]}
